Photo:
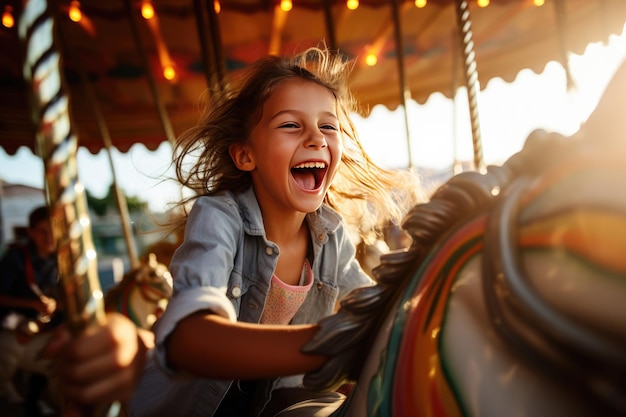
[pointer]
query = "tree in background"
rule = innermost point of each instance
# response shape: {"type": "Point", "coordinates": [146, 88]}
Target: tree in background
{"type": "Point", "coordinates": [100, 206]}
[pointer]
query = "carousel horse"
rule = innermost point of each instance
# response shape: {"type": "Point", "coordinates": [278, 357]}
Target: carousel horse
{"type": "Point", "coordinates": [511, 299]}
{"type": "Point", "coordinates": [142, 293]}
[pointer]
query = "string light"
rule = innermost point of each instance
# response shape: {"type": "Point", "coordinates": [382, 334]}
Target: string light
{"type": "Point", "coordinates": [286, 5]}
{"type": "Point", "coordinates": [152, 21]}
{"type": "Point", "coordinates": [482, 3]}
{"type": "Point", "coordinates": [420, 3]}
{"type": "Point", "coordinates": [169, 73]}
{"type": "Point", "coordinates": [217, 7]}
{"type": "Point", "coordinates": [352, 4]}
{"type": "Point", "coordinates": [147, 11]}
{"type": "Point", "coordinates": [539, 2]}
{"type": "Point", "coordinates": [371, 59]}
{"type": "Point", "coordinates": [74, 12]}
{"type": "Point", "coordinates": [7, 17]}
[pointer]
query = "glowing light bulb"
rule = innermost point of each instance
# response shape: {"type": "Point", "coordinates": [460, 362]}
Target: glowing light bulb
{"type": "Point", "coordinates": [286, 5]}
{"type": "Point", "coordinates": [420, 3]}
{"type": "Point", "coordinates": [169, 73]}
{"type": "Point", "coordinates": [74, 13]}
{"type": "Point", "coordinates": [482, 3]}
{"type": "Point", "coordinates": [147, 11]}
{"type": "Point", "coordinates": [352, 4]}
{"type": "Point", "coordinates": [539, 2]}
{"type": "Point", "coordinates": [371, 59]}
{"type": "Point", "coordinates": [217, 7]}
{"type": "Point", "coordinates": [8, 21]}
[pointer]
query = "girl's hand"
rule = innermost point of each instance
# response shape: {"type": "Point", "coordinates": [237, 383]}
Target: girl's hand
{"type": "Point", "coordinates": [102, 364]}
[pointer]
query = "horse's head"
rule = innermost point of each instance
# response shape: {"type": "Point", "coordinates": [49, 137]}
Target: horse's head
{"type": "Point", "coordinates": [142, 294]}
{"type": "Point", "coordinates": [155, 280]}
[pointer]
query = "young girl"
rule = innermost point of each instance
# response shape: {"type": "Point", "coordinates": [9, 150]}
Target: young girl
{"type": "Point", "coordinates": [265, 255]}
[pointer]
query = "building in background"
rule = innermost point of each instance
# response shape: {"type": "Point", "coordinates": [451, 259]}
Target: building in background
{"type": "Point", "coordinates": [16, 202]}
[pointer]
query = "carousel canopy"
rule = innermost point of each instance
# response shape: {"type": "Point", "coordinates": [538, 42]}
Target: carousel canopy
{"type": "Point", "coordinates": [143, 65]}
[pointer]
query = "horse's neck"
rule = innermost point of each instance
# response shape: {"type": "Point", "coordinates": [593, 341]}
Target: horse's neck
{"type": "Point", "coordinates": [134, 305]}
{"type": "Point", "coordinates": [371, 366]}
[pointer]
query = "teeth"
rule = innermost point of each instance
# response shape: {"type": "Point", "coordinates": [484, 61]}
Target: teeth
{"type": "Point", "coordinates": [311, 165]}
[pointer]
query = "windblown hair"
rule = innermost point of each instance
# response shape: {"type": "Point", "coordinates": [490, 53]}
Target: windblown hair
{"type": "Point", "coordinates": [364, 193]}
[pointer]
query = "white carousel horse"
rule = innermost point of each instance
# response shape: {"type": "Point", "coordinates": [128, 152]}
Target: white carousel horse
{"type": "Point", "coordinates": [20, 360]}
{"type": "Point", "coordinates": [510, 300]}
{"type": "Point", "coordinates": [142, 294]}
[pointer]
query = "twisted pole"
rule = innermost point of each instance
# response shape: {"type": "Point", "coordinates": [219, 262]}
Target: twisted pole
{"type": "Point", "coordinates": [561, 18]}
{"type": "Point", "coordinates": [57, 145]}
{"type": "Point", "coordinates": [464, 26]}
{"type": "Point", "coordinates": [120, 198]}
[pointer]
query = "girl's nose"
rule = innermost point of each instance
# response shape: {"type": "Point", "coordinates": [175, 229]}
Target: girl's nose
{"type": "Point", "coordinates": [316, 139]}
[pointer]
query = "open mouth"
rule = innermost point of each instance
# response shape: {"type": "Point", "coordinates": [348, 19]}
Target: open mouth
{"type": "Point", "coordinates": [309, 175]}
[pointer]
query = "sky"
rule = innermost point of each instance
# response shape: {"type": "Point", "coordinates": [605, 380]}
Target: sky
{"type": "Point", "coordinates": [440, 129]}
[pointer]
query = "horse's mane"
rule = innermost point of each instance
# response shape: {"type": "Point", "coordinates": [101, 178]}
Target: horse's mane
{"type": "Point", "coordinates": [342, 336]}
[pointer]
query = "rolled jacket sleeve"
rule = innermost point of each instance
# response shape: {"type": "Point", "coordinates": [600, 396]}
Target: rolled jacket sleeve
{"type": "Point", "coordinates": [201, 268]}
{"type": "Point", "coordinates": [191, 301]}
{"type": "Point", "coordinates": [205, 258]}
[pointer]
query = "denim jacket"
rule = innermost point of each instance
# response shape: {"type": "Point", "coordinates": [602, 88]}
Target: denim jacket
{"type": "Point", "coordinates": [225, 265]}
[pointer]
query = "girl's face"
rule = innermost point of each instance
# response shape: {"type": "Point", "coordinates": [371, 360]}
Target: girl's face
{"type": "Point", "coordinates": [294, 151]}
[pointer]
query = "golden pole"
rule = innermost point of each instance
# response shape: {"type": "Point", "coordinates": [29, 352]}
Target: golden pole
{"type": "Point", "coordinates": [464, 25]}
{"type": "Point", "coordinates": [168, 131]}
{"type": "Point", "coordinates": [57, 145]}
{"type": "Point", "coordinates": [405, 92]}
{"type": "Point", "coordinates": [330, 26]}
{"type": "Point", "coordinates": [212, 55]}
{"type": "Point", "coordinates": [120, 198]}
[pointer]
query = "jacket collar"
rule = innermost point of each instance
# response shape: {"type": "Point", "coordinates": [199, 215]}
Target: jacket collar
{"type": "Point", "coordinates": [324, 220]}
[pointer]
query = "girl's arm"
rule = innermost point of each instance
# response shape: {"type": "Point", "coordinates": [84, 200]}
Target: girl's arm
{"type": "Point", "coordinates": [211, 346]}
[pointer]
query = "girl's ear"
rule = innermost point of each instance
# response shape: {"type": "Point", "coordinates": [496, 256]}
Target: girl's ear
{"type": "Point", "coordinates": [242, 157]}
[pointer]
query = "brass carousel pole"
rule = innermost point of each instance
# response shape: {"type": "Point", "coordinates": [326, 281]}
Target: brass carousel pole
{"type": "Point", "coordinates": [120, 198]}
{"type": "Point", "coordinates": [405, 93]}
{"type": "Point", "coordinates": [561, 17]}
{"type": "Point", "coordinates": [457, 165]}
{"type": "Point", "coordinates": [207, 55]}
{"type": "Point", "coordinates": [165, 122]}
{"type": "Point", "coordinates": [330, 26]}
{"type": "Point", "coordinates": [216, 46]}
{"type": "Point", "coordinates": [464, 26]}
{"type": "Point", "coordinates": [212, 56]}
{"type": "Point", "coordinates": [57, 145]}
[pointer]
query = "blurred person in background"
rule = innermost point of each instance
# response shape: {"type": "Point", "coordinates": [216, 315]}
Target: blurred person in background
{"type": "Point", "coordinates": [29, 309]}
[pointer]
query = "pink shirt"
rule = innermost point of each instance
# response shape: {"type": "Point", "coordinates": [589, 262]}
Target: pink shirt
{"type": "Point", "coordinates": [284, 300]}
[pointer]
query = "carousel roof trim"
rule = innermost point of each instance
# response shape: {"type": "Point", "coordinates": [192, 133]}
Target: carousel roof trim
{"type": "Point", "coordinates": [508, 35]}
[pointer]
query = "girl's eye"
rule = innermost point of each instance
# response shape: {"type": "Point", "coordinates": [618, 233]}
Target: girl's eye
{"type": "Point", "coordinates": [328, 127]}
{"type": "Point", "coordinates": [289, 125]}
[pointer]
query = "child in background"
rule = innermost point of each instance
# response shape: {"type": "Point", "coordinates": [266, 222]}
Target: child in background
{"type": "Point", "coordinates": [29, 309]}
{"type": "Point", "coordinates": [265, 254]}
